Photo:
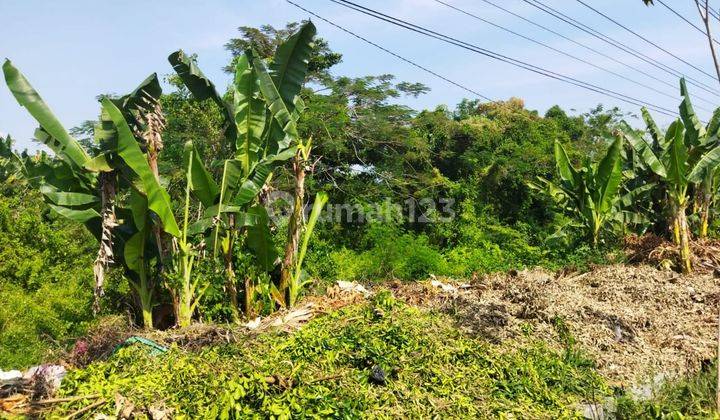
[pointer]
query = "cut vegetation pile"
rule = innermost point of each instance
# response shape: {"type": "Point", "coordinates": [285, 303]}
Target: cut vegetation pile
{"type": "Point", "coordinates": [636, 322]}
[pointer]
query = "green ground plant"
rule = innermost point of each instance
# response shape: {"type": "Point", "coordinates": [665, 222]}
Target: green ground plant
{"type": "Point", "coordinates": [430, 368]}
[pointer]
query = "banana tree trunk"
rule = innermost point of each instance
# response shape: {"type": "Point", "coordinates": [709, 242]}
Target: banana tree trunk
{"type": "Point", "coordinates": [248, 293]}
{"type": "Point", "coordinates": [684, 236]}
{"type": "Point", "coordinates": [230, 279]}
{"type": "Point", "coordinates": [105, 251]}
{"type": "Point", "coordinates": [704, 210]}
{"type": "Point", "coordinates": [294, 227]}
{"type": "Point", "coordinates": [145, 292]}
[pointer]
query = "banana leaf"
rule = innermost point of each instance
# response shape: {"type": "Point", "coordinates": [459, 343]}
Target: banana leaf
{"type": "Point", "coordinates": [129, 151]}
{"type": "Point", "coordinates": [706, 166]}
{"type": "Point", "coordinates": [203, 187]}
{"type": "Point", "coordinates": [653, 129]}
{"type": "Point", "coordinates": [202, 88]}
{"type": "Point", "coordinates": [565, 169]}
{"type": "Point", "coordinates": [609, 176]}
{"type": "Point", "coordinates": [250, 114]}
{"type": "Point", "coordinates": [280, 112]}
{"type": "Point", "coordinates": [678, 158]}
{"type": "Point", "coordinates": [290, 64]}
{"type": "Point", "coordinates": [644, 151]}
{"type": "Point", "coordinates": [58, 139]}
{"type": "Point", "coordinates": [259, 239]}
{"type": "Point", "coordinates": [694, 130]}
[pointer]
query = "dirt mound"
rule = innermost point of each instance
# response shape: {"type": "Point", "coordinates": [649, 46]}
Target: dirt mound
{"type": "Point", "coordinates": [636, 322]}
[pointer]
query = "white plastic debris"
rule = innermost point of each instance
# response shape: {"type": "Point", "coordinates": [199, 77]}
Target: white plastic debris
{"type": "Point", "coordinates": [10, 375]}
{"type": "Point", "coordinates": [445, 287]}
{"type": "Point", "coordinates": [52, 375]}
{"type": "Point", "coordinates": [354, 287]}
{"type": "Point", "coordinates": [254, 324]}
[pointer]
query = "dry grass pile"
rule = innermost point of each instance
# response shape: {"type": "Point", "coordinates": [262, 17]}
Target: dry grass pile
{"type": "Point", "coordinates": [658, 252]}
{"type": "Point", "coordinates": [636, 322]}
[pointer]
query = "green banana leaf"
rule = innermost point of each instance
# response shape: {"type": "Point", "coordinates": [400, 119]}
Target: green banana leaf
{"type": "Point", "coordinates": [290, 64]}
{"type": "Point", "coordinates": [81, 216]}
{"type": "Point", "coordinates": [202, 88]}
{"type": "Point", "coordinates": [565, 169]}
{"type": "Point", "coordinates": [321, 199]}
{"type": "Point", "coordinates": [203, 187]}
{"type": "Point", "coordinates": [713, 126]}
{"type": "Point", "coordinates": [694, 129]}
{"type": "Point", "coordinates": [644, 151]}
{"type": "Point", "coordinates": [279, 110]}
{"type": "Point", "coordinates": [72, 199]}
{"type": "Point", "coordinates": [678, 158]}
{"type": "Point", "coordinates": [259, 239]}
{"type": "Point", "coordinates": [706, 166]}
{"type": "Point", "coordinates": [250, 114]}
{"type": "Point", "coordinates": [653, 129]}
{"type": "Point", "coordinates": [129, 151]}
{"type": "Point", "coordinates": [134, 251]}
{"type": "Point", "coordinates": [58, 139]}
{"type": "Point", "coordinates": [609, 176]}
{"type": "Point", "coordinates": [251, 188]}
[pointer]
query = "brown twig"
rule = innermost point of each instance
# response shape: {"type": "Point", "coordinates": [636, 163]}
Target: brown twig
{"type": "Point", "coordinates": [66, 399]}
{"type": "Point", "coordinates": [86, 409]}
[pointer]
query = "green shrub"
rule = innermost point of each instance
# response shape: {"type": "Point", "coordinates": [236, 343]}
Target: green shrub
{"type": "Point", "coordinates": [692, 396]}
{"type": "Point", "coordinates": [45, 281]}
{"type": "Point", "coordinates": [388, 253]}
{"type": "Point", "coordinates": [431, 369]}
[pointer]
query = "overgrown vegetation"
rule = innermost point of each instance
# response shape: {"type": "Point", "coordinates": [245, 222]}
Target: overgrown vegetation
{"type": "Point", "coordinates": [382, 359]}
{"type": "Point", "coordinates": [165, 210]}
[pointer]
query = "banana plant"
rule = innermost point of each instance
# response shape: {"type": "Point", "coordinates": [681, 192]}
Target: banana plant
{"type": "Point", "coordinates": [260, 134]}
{"type": "Point", "coordinates": [84, 188]}
{"type": "Point", "coordinates": [591, 192]}
{"type": "Point", "coordinates": [684, 157]}
{"type": "Point", "coordinates": [687, 156]}
{"type": "Point", "coordinates": [299, 278]}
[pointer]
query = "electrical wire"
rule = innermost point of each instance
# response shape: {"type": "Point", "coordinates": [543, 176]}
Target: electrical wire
{"type": "Point", "coordinates": [678, 14]}
{"type": "Point", "coordinates": [407, 60]}
{"type": "Point", "coordinates": [575, 23]}
{"type": "Point", "coordinates": [647, 40]}
{"type": "Point", "coordinates": [589, 48]}
{"type": "Point", "coordinates": [501, 57]}
{"type": "Point", "coordinates": [574, 57]}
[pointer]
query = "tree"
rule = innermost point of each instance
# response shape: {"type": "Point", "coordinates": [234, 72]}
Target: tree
{"type": "Point", "coordinates": [83, 188]}
{"type": "Point", "coordinates": [266, 39]}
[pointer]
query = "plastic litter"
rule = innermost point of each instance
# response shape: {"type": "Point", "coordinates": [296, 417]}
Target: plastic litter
{"type": "Point", "coordinates": [155, 348]}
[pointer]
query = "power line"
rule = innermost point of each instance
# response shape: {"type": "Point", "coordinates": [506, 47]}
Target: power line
{"type": "Point", "coordinates": [589, 48]}
{"type": "Point", "coordinates": [574, 57]}
{"type": "Point", "coordinates": [500, 57]}
{"type": "Point", "coordinates": [407, 60]}
{"type": "Point", "coordinates": [678, 14]}
{"type": "Point", "coordinates": [646, 40]}
{"type": "Point", "coordinates": [585, 28]}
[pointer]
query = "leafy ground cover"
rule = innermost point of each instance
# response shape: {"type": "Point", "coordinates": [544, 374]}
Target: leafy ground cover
{"type": "Point", "coordinates": [380, 359]}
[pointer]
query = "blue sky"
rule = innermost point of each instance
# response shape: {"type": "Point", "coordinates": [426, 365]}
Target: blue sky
{"type": "Point", "coordinates": [71, 51]}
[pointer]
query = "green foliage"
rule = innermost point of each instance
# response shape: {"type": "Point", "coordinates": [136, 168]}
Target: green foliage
{"type": "Point", "coordinates": [692, 396]}
{"type": "Point", "coordinates": [266, 39]}
{"type": "Point", "coordinates": [388, 253]}
{"type": "Point", "coordinates": [590, 192]}
{"type": "Point", "coordinates": [45, 281]}
{"type": "Point", "coordinates": [323, 370]}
